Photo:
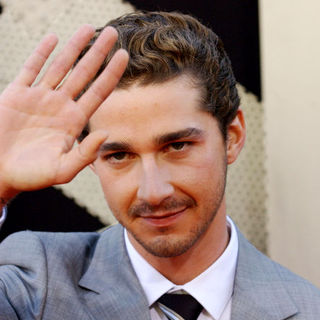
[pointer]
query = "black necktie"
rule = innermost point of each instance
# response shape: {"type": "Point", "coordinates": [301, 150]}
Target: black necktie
{"type": "Point", "coordinates": [183, 304]}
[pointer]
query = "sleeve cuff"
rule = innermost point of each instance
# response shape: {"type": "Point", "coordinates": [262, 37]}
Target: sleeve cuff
{"type": "Point", "coordinates": [3, 217]}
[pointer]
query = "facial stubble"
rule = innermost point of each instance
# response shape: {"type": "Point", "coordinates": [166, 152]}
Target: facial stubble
{"type": "Point", "coordinates": [168, 245]}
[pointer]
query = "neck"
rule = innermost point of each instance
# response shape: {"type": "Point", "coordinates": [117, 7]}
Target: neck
{"type": "Point", "coordinates": [209, 247]}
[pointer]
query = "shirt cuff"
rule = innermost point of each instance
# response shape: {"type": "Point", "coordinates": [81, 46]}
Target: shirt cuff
{"type": "Point", "coordinates": [3, 217]}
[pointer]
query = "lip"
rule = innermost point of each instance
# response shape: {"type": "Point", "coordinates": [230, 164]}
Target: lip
{"type": "Point", "coordinates": [164, 220]}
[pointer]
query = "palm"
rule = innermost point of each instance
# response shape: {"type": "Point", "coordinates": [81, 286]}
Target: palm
{"type": "Point", "coordinates": [39, 124]}
{"type": "Point", "coordinates": [35, 133]}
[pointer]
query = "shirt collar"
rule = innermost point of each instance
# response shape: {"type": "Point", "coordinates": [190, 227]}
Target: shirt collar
{"type": "Point", "coordinates": [213, 288]}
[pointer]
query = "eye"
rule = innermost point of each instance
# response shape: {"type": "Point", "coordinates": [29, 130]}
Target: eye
{"type": "Point", "coordinates": [117, 157]}
{"type": "Point", "coordinates": [178, 145]}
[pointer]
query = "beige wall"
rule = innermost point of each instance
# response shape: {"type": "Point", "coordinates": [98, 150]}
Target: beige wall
{"type": "Point", "coordinates": [290, 32]}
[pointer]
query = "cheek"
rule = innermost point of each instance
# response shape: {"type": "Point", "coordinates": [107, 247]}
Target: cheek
{"type": "Point", "coordinates": [118, 191]}
{"type": "Point", "coordinates": [203, 178]}
{"type": "Point", "coordinates": [206, 166]}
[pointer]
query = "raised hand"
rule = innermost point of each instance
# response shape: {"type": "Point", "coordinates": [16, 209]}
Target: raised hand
{"type": "Point", "coordinates": [40, 123]}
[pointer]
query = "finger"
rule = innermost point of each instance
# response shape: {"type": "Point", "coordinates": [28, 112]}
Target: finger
{"type": "Point", "coordinates": [104, 84]}
{"type": "Point", "coordinates": [64, 61]}
{"type": "Point", "coordinates": [37, 59]}
{"type": "Point", "coordinates": [89, 65]}
{"type": "Point", "coordinates": [81, 156]}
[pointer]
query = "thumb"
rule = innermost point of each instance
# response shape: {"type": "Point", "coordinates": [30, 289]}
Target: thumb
{"type": "Point", "coordinates": [80, 156]}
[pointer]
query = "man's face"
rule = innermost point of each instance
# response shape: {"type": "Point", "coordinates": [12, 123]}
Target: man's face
{"type": "Point", "coordinates": [163, 166]}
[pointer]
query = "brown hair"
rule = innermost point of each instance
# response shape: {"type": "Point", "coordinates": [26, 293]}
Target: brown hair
{"type": "Point", "coordinates": [164, 45]}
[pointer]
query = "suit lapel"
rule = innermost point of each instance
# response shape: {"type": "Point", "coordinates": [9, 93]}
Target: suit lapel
{"type": "Point", "coordinates": [112, 288]}
{"type": "Point", "coordinates": [259, 292]}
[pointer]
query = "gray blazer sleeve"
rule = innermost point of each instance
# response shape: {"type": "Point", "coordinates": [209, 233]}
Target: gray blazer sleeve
{"type": "Point", "coordinates": [23, 279]}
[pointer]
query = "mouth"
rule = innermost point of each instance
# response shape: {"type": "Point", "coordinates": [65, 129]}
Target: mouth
{"type": "Point", "coordinates": [164, 219]}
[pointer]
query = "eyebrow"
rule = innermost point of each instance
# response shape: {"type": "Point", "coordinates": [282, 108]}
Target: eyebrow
{"type": "Point", "coordinates": [115, 146]}
{"type": "Point", "coordinates": [177, 135]}
{"type": "Point", "coordinates": [160, 140]}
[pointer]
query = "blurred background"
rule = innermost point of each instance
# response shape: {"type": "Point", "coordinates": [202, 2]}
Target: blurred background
{"type": "Point", "coordinates": [272, 190]}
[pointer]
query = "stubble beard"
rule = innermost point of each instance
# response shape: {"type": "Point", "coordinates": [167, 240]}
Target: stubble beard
{"type": "Point", "coordinates": [170, 245]}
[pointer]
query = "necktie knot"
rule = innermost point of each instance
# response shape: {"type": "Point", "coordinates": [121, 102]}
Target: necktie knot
{"type": "Point", "coordinates": [183, 305]}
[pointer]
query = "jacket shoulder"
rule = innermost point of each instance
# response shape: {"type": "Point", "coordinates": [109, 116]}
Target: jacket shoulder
{"type": "Point", "coordinates": [22, 248]}
{"type": "Point", "coordinates": [304, 294]}
{"type": "Point", "coordinates": [273, 288]}
{"type": "Point", "coordinates": [33, 263]}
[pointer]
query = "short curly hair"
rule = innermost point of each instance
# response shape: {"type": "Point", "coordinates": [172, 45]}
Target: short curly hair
{"type": "Point", "coordinates": [164, 45]}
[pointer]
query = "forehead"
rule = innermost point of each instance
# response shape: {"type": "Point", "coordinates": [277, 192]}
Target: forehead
{"type": "Point", "coordinates": [151, 110]}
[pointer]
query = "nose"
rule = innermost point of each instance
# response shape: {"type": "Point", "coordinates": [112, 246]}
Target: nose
{"type": "Point", "coordinates": [154, 184]}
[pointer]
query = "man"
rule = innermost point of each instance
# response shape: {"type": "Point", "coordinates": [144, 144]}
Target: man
{"type": "Point", "coordinates": [160, 145]}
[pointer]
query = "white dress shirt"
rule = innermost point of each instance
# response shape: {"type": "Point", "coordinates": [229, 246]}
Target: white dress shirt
{"type": "Point", "coordinates": [213, 288]}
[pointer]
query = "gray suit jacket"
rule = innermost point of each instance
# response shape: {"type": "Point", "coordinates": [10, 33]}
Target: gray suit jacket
{"type": "Point", "coordinates": [56, 276]}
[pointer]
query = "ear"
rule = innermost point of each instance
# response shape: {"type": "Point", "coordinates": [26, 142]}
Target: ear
{"type": "Point", "coordinates": [236, 137]}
